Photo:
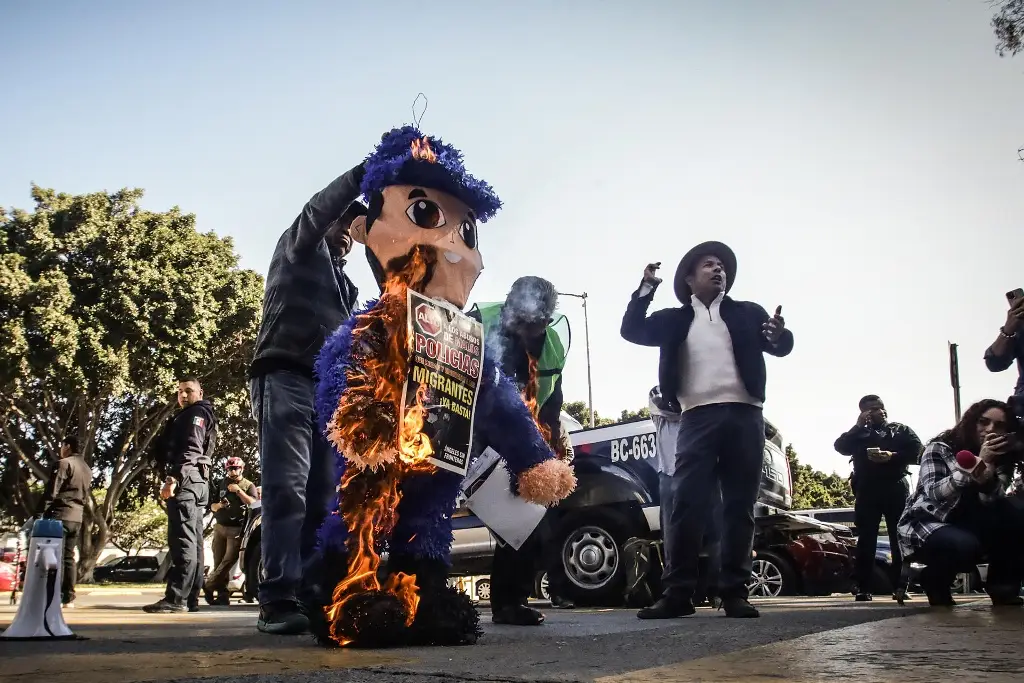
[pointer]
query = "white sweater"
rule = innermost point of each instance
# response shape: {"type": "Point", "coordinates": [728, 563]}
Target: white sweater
{"type": "Point", "coordinates": [706, 361]}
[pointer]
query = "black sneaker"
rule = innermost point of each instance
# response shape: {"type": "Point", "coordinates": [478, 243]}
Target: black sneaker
{"type": "Point", "coordinates": [739, 608]}
{"type": "Point", "coordinates": [863, 597]}
{"type": "Point", "coordinates": [940, 598]}
{"type": "Point", "coordinates": [164, 607]}
{"type": "Point", "coordinates": [562, 603]}
{"type": "Point", "coordinates": [282, 618]}
{"type": "Point", "coordinates": [1006, 599]}
{"type": "Point", "coordinates": [517, 615]}
{"type": "Point", "coordinates": [667, 609]}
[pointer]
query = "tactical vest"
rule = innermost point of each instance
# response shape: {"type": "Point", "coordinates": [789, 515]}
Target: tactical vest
{"type": "Point", "coordinates": [552, 355]}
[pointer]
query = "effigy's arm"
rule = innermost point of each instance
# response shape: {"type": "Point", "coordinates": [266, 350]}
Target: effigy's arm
{"type": "Point", "coordinates": [504, 423]}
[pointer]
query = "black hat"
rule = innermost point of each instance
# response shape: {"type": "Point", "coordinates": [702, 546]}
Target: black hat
{"type": "Point", "coordinates": [683, 291]}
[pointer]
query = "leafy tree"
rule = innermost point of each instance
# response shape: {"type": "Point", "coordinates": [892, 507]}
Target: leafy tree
{"type": "Point", "coordinates": [103, 305]}
{"type": "Point", "coordinates": [635, 414]}
{"type": "Point", "coordinates": [814, 489]}
{"type": "Point", "coordinates": [1008, 25]}
{"type": "Point", "coordinates": [141, 528]}
{"type": "Point", "coordinates": [580, 411]}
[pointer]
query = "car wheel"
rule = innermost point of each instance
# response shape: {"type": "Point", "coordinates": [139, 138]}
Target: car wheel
{"type": "Point", "coordinates": [542, 586]}
{"type": "Point", "coordinates": [483, 590]}
{"type": "Point", "coordinates": [771, 575]}
{"type": "Point", "coordinates": [592, 558]}
{"type": "Point", "coordinates": [966, 583]}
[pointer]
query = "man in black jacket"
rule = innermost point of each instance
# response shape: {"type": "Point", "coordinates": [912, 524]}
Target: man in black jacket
{"type": "Point", "coordinates": [187, 444]}
{"type": "Point", "coordinates": [881, 451]}
{"type": "Point", "coordinates": [65, 500]}
{"type": "Point", "coordinates": [308, 295]}
{"type": "Point", "coordinates": [711, 370]}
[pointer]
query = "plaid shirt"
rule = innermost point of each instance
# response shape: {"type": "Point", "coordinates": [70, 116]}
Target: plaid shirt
{"type": "Point", "coordinates": [941, 483]}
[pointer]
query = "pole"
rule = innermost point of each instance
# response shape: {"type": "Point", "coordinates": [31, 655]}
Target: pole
{"type": "Point", "coordinates": [954, 378]}
{"type": "Point", "coordinates": [586, 339]}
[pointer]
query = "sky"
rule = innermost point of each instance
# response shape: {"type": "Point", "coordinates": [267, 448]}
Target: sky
{"type": "Point", "coordinates": [860, 158]}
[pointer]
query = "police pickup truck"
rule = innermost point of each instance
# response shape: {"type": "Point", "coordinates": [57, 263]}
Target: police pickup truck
{"type": "Point", "coordinates": [617, 499]}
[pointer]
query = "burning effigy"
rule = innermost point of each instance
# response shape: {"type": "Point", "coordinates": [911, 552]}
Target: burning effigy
{"type": "Point", "coordinates": [404, 394]}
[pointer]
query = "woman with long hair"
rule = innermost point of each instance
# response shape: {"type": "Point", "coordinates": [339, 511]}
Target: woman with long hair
{"type": "Point", "coordinates": [957, 516]}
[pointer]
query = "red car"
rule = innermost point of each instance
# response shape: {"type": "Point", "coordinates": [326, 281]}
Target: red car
{"type": "Point", "coordinates": [8, 576]}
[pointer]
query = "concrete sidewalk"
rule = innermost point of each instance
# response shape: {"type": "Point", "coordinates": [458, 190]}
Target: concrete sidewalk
{"type": "Point", "coordinates": [800, 640]}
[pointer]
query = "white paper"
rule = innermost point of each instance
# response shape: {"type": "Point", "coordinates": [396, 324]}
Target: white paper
{"type": "Point", "coordinates": [507, 516]}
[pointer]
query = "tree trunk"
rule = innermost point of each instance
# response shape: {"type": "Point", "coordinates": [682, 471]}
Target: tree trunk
{"type": "Point", "coordinates": [92, 541]}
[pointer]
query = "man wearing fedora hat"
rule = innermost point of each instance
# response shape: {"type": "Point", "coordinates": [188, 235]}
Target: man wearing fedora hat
{"type": "Point", "coordinates": [712, 371]}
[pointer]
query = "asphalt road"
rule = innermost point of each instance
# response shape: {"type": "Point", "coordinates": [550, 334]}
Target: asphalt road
{"type": "Point", "coordinates": [221, 645]}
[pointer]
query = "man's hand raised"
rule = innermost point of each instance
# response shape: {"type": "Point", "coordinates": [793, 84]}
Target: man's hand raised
{"type": "Point", "coordinates": [651, 274]}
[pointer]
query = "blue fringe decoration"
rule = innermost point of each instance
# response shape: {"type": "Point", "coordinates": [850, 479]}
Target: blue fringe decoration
{"type": "Point", "coordinates": [504, 423]}
{"type": "Point", "coordinates": [330, 382]}
{"type": "Point", "coordinates": [391, 163]}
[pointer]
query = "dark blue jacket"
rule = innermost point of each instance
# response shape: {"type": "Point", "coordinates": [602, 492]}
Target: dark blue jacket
{"type": "Point", "coordinates": [667, 329]}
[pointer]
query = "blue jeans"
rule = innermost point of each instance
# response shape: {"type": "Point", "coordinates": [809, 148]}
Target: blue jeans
{"type": "Point", "coordinates": [298, 476]}
{"type": "Point", "coordinates": [719, 447]}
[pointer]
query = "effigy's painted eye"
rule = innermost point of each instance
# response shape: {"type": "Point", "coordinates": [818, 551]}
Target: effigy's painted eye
{"type": "Point", "coordinates": [468, 233]}
{"type": "Point", "coordinates": [425, 214]}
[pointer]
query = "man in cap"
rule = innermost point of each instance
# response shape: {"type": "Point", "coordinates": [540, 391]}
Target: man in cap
{"type": "Point", "coordinates": [518, 331]}
{"type": "Point", "coordinates": [308, 295]}
{"type": "Point", "coordinates": [712, 371]}
{"type": "Point", "coordinates": [234, 496]}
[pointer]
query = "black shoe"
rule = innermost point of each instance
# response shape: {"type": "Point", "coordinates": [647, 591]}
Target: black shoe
{"type": "Point", "coordinates": [209, 596]}
{"type": "Point", "coordinates": [282, 618]}
{"type": "Point", "coordinates": [901, 596]}
{"type": "Point", "coordinates": [1006, 600]}
{"type": "Point", "coordinates": [193, 608]}
{"type": "Point", "coordinates": [863, 597]}
{"type": "Point", "coordinates": [739, 608]}
{"type": "Point", "coordinates": [517, 615]}
{"type": "Point", "coordinates": [164, 607]}
{"type": "Point", "coordinates": [222, 598]}
{"type": "Point", "coordinates": [562, 603]}
{"type": "Point", "coordinates": [667, 609]}
{"type": "Point", "coordinates": [940, 598]}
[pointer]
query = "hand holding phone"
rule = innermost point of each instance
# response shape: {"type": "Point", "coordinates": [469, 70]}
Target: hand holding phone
{"type": "Point", "coordinates": [1015, 316]}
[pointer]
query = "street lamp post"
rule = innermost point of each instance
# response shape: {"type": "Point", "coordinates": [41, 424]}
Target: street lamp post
{"type": "Point", "coordinates": [586, 338]}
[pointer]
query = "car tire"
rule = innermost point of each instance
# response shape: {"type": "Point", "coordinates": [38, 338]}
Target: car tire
{"type": "Point", "coordinates": [540, 586]}
{"type": "Point", "coordinates": [881, 584]}
{"type": "Point", "coordinates": [771, 576]}
{"type": "Point", "coordinates": [483, 590]}
{"type": "Point", "coordinates": [589, 543]}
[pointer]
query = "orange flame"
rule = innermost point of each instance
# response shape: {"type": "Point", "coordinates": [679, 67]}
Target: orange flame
{"type": "Point", "coordinates": [530, 397]}
{"type": "Point", "coordinates": [421, 150]}
{"type": "Point", "coordinates": [380, 450]}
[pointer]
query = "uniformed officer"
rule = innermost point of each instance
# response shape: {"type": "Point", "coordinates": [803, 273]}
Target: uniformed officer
{"type": "Point", "coordinates": [186, 445]}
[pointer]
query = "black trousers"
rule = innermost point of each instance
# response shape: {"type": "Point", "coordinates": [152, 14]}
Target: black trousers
{"type": "Point", "coordinates": [873, 502]}
{"type": "Point", "coordinates": [185, 540]}
{"type": "Point", "coordinates": [69, 571]}
{"type": "Point", "coordinates": [993, 530]}
{"type": "Point", "coordinates": [513, 571]}
{"type": "Point", "coordinates": [720, 448]}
